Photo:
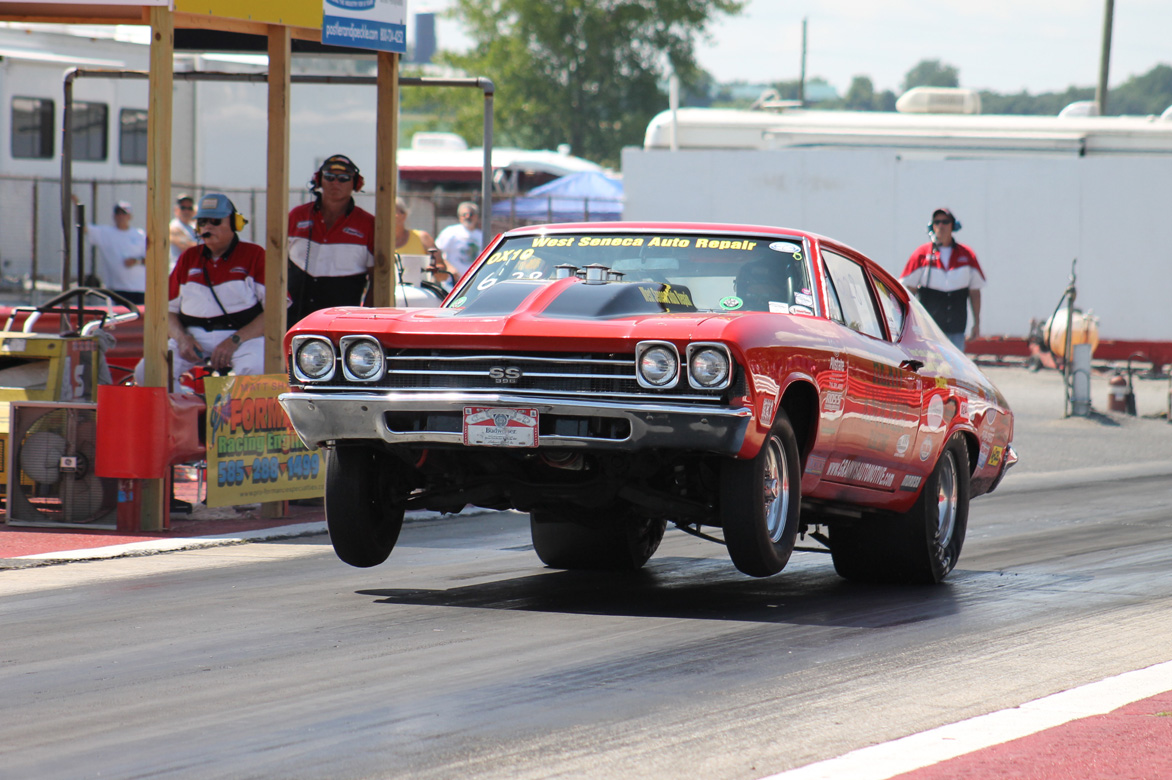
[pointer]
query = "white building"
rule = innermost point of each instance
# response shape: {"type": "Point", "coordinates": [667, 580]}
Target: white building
{"type": "Point", "coordinates": [1032, 193]}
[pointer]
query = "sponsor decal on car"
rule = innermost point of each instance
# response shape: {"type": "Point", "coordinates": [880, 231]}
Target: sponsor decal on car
{"type": "Point", "coordinates": [995, 456]}
{"type": "Point", "coordinates": [778, 307]}
{"type": "Point", "coordinates": [853, 470]}
{"type": "Point", "coordinates": [666, 295]}
{"type": "Point", "coordinates": [902, 444]}
{"type": "Point", "coordinates": [910, 482]}
{"type": "Point", "coordinates": [832, 402]}
{"type": "Point", "coordinates": [815, 463]}
{"type": "Point", "coordinates": [768, 409]}
{"type": "Point", "coordinates": [731, 303]}
{"type": "Point", "coordinates": [935, 415]}
{"type": "Point", "coordinates": [785, 246]}
{"type": "Point", "coordinates": [926, 449]}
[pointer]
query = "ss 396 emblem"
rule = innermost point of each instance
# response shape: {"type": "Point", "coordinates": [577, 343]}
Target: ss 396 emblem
{"type": "Point", "coordinates": [505, 376]}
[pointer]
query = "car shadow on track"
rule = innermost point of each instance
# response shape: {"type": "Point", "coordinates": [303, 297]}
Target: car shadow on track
{"type": "Point", "coordinates": [698, 590]}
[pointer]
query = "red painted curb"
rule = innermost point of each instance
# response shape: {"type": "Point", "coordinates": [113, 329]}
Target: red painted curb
{"type": "Point", "coordinates": [1131, 743]}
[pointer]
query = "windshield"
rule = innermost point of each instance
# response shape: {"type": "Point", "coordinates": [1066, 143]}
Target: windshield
{"type": "Point", "coordinates": [713, 272]}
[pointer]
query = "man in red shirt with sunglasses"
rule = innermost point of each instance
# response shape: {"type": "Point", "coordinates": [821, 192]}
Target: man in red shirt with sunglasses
{"type": "Point", "coordinates": [331, 242]}
{"type": "Point", "coordinates": [947, 278]}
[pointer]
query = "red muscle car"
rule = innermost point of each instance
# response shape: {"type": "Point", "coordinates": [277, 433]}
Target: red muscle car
{"type": "Point", "coordinates": [609, 378]}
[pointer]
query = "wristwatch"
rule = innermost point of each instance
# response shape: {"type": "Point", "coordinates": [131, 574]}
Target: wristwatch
{"type": "Point", "coordinates": [235, 338]}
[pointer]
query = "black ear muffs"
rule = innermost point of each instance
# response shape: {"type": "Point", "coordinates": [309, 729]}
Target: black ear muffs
{"type": "Point", "coordinates": [358, 180]}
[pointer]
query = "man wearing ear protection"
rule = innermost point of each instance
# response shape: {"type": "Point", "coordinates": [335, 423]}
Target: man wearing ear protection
{"type": "Point", "coordinates": [947, 278]}
{"type": "Point", "coordinates": [216, 309]}
{"type": "Point", "coordinates": [331, 242]}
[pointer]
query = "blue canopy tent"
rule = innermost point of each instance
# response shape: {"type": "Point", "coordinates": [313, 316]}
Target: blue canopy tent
{"type": "Point", "coordinates": [577, 197]}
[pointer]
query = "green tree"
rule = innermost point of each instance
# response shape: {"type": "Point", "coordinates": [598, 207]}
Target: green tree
{"type": "Point", "coordinates": [860, 96]}
{"type": "Point", "coordinates": [1150, 93]}
{"type": "Point", "coordinates": [590, 73]}
{"type": "Point", "coordinates": [931, 73]}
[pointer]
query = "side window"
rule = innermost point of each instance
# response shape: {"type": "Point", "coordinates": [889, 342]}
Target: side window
{"type": "Point", "coordinates": [892, 309]}
{"type": "Point", "coordinates": [854, 294]}
{"type": "Point", "coordinates": [89, 131]}
{"type": "Point", "coordinates": [132, 137]}
{"type": "Point", "coordinates": [833, 307]}
{"type": "Point", "coordinates": [32, 128]}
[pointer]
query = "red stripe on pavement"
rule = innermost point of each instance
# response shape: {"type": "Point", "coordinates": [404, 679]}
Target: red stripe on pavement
{"type": "Point", "coordinates": [1133, 743]}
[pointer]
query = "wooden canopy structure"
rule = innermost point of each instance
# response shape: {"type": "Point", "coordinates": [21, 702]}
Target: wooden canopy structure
{"type": "Point", "coordinates": [280, 21]}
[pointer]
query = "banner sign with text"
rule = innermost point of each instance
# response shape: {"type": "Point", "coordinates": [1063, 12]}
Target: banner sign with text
{"type": "Point", "coordinates": [365, 24]}
{"type": "Point", "coordinates": [254, 455]}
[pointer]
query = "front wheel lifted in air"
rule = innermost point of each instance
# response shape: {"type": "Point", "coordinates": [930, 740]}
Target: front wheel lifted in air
{"type": "Point", "coordinates": [364, 510]}
{"type": "Point", "coordinates": [760, 503]}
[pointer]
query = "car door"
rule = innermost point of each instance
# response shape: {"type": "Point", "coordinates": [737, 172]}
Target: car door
{"type": "Point", "coordinates": [881, 404]}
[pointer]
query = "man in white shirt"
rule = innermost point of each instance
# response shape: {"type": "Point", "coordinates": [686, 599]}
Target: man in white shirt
{"type": "Point", "coordinates": [121, 254]}
{"type": "Point", "coordinates": [182, 227]}
{"type": "Point", "coordinates": [462, 242]}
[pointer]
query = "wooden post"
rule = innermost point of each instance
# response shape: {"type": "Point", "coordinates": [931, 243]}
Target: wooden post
{"type": "Point", "coordinates": [276, 215]}
{"type": "Point", "coordinates": [386, 175]}
{"type": "Point", "coordinates": [158, 218]}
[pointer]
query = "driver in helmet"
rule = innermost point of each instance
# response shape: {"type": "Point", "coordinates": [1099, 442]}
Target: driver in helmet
{"type": "Point", "coordinates": [762, 282]}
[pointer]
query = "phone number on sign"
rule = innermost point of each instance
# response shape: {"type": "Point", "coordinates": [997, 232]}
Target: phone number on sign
{"type": "Point", "coordinates": [230, 473]}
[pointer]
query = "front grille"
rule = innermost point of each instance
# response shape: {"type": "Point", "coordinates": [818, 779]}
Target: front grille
{"type": "Point", "coordinates": [591, 375]}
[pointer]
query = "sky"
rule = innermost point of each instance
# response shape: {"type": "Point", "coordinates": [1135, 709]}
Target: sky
{"type": "Point", "coordinates": [1001, 45]}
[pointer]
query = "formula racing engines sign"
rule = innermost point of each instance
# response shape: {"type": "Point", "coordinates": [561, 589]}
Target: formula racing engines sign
{"type": "Point", "coordinates": [365, 24]}
{"type": "Point", "coordinates": [254, 455]}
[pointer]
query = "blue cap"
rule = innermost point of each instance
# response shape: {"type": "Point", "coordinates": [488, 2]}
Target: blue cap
{"type": "Point", "coordinates": [213, 205]}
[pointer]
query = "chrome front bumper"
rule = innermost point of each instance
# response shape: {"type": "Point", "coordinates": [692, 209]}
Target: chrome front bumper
{"type": "Point", "coordinates": [321, 418]}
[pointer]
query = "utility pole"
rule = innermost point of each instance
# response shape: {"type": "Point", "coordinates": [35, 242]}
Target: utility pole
{"type": "Point", "coordinates": [802, 77]}
{"type": "Point", "coordinates": [1105, 58]}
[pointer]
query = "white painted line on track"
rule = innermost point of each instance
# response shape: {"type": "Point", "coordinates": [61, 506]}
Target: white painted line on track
{"type": "Point", "coordinates": [880, 762]}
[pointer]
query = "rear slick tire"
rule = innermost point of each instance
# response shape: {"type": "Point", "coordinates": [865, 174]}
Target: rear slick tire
{"type": "Point", "coordinates": [608, 539]}
{"type": "Point", "coordinates": [363, 512]}
{"type": "Point", "coordinates": [920, 546]}
{"type": "Point", "coordinates": [760, 503]}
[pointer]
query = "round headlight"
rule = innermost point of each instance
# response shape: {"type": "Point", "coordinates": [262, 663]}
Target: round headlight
{"type": "Point", "coordinates": [709, 368]}
{"type": "Point", "coordinates": [364, 360]}
{"type": "Point", "coordinates": [315, 358]}
{"type": "Point", "coordinates": [658, 366]}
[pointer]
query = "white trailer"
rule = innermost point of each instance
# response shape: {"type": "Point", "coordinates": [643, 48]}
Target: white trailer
{"type": "Point", "coordinates": [1033, 194]}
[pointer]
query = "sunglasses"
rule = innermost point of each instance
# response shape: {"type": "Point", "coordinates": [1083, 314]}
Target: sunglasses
{"type": "Point", "coordinates": [342, 177]}
{"type": "Point", "coordinates": [942, 222]}
{"type": "Point", "coordinates": [187, 208]}
{"type": "Point", "coordinates": [467, 216]}
{"type": "Point", "coordinates": [213, 221]}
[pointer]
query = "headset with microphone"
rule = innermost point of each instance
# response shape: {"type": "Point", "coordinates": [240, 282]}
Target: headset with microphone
{"type": "Point", "coordinates": [949, 214]}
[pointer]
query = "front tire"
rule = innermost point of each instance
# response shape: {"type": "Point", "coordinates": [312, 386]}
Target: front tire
{"type": "Point", "coordinates": [609, 539]}
{"type": "Point", "coordinates": [760, 503]}
{"type": "Point", "coordinates": [920, 546]}
{"type": "Point", "coordinates": [364, 513]}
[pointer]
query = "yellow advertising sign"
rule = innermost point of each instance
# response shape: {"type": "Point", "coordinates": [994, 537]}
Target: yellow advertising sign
{"type": "Point", "coordinates": [292, 13]}
{"type": "Point", "coordinates": [254, 455]}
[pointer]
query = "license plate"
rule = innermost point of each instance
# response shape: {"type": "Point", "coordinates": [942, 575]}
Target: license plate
{"type": "Point", "coordinates": [495, 426]}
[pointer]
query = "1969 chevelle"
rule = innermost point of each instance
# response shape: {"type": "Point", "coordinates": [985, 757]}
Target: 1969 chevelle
{"type": "Point", "coordinates": [751, 385]}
